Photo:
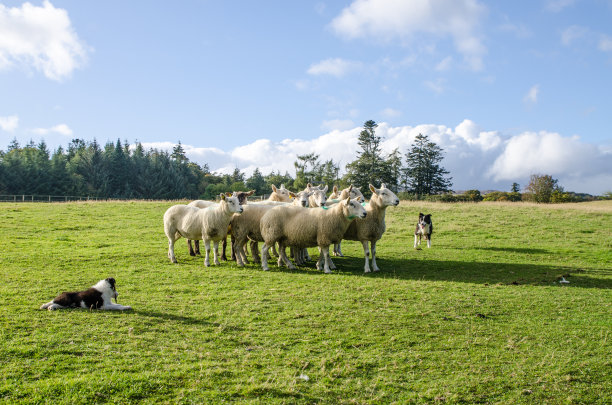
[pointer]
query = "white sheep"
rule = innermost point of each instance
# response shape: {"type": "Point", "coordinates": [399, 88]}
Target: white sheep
{"type": "Point", "coordinates": [318, 196]}
{"type": "Point", "coordinates": [350, 191]}
{"type": "Point", "coordinates": [245, 227]}
{"type": "Point", "coordinates": [307, 227]}
{"type": "Point", "coordinates": [280, 194]}
{"type": "Point", "coordinates": [209, 224]}
{"type": "Point", "coordinates": [371, 228]}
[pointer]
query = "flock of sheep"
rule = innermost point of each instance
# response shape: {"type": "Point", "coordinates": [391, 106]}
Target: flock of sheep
{"type": "Point", "coordinates": [295, 220]}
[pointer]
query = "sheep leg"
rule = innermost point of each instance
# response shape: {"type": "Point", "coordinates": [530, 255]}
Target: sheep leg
{"type": "Point", "coordinates": [223, 249]}
{"type": "Point", "coordinates": [196, 244]}
{"type": "Point", "coordinates": [329, 262]}
{"type": "Point", "coordinates": [284, 258]}
{"type": "Point", "coordinates": [264, 257]}
{"type": "Point", "coordinates": [274, 252]}
{"type": "Point", "coordinates": [240, 257]}
{"type": "Point", "coordinates": [366, 253]}
{"type": "Point", "coordinates": [338, 249]}
{"type": "Point", "coordinates": [171, 250]}
{"type": "Point", "coordinates": [320, 261]}
{"type": "Point", "coordinates": [326, 259]}
{"type": "Point", "coordinates": [207, 257]}
{"type": "Point", "coordinates": [191, 252]}
{"type": "Point", "coordinates": [374, 266]}
{"type": "Point", "coordinates": [306, 255]}
{"type": "Point", "coordinates": [216, 252]}
{"type": "Point", "coordinates": [255, 252]}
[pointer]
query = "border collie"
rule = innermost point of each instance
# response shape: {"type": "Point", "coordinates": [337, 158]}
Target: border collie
{"type": "Point", "coordinates": [97, 297]}
{"type": "Point", "coordinates": [424, 228]}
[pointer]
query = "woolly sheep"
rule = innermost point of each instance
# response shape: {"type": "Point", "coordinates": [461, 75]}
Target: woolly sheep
{"type": "Point", "coordinates": [209, 224]}
{"type": "Point", "coordinates": [318, 196]}
{"type": "Point", "coordinates": [352, 192]}
{"type": "Point", "coordinates": [242, 199]}
{"type": "Point", "coordinates": [280, 194]}
{"type": "Point", "coordinates": [371, 228]}
{"type": "Point", "coordinates": [306, 227]}
{"type": "Point", "coordinates": [245, 226]}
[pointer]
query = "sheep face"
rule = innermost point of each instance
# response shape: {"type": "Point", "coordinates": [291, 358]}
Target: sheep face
{"type": "Point", "coordinates": [356, 193]}
{"type": "Point", "coordinates": [301, 198]}
{"type": "Point", "coordinates": [282, 193]}
{"type": "Point", "coordinates": [386, 196]}
{"type": "Point", "coordinates": [353, 208]}
{"type": "Point", "coordinates": [318, 197]}
{"type": "Point", "coordinates": [231, 204]}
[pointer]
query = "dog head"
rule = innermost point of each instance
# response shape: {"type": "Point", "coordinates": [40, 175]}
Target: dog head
{"type": "Point", "coordinates": [110, 285]}
{"type": "Point", "coordinates": [424, 222]}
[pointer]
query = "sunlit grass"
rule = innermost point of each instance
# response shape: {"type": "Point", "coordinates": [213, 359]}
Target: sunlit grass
{"type": "Point", "coordinates": [479, 317]}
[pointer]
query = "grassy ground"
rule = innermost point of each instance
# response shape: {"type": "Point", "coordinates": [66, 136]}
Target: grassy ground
{"type": "Point", "coordinates": [478, 318]}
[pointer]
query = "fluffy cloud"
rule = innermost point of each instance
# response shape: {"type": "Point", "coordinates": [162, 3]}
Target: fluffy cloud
{"type": "Point", "coordinates": [556, 6]}
{"type": "Point", "coordinates": [40, 37]}
{"type": "Point", "coordinates": [10, 123]}
{"type": "Point", "coordinates": [476, 158]}
{"type": "Point", "coordinates": [532, 95]}
{"type": "Point", "coordinates": [61, 129]}
{"type": "Point", "coordinates": [397, 19]}
{"type": "Point", "coordinates": [335, 67]}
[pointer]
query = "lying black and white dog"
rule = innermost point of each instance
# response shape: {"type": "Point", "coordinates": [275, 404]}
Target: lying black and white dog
{"type": "Point", "coordinates": [424, 228]}
{"type": "Point", "coordinates": [97, 297]}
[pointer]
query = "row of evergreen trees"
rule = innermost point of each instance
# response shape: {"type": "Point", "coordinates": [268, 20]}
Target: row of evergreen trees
{"type": "Point", "coordinates": [118, 171]}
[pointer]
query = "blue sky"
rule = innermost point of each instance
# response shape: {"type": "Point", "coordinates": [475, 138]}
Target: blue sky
{"type": "Point", "coordinates": [507, 89]}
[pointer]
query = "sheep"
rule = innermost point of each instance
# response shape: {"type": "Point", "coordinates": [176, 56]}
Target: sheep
{"type": "Point", "coordinates": [242, 198]}
{"type": "Point", "coordinates": [318, 197]}
{"type": "Point", "coordinates": [351, 191]}
{"type": "Point", "coordinates": [245, 226]}
{"type": "Point", "coordinates": [280, 194]}
{"type": "Point", "coordinates": [306, 227]}
{"type": "Point", "coordinates": [373, 226]}
{"type": "Point", "coordinates": [209, 224]}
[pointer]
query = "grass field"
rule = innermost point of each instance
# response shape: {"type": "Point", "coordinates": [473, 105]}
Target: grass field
{"type": "Point", "coordinates": [478, 318]}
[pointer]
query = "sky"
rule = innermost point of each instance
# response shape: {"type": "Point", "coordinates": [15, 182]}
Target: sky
{"type": "Point", "coordinates": [506, 89]}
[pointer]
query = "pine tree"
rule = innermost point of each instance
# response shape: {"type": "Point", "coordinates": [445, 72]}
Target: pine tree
{"type": "Point", "coordinates": [257, 182]}
{"type": "Point", "coordinates": [370, 167]}
{"type": "Point", "coordinates": [423, 174]}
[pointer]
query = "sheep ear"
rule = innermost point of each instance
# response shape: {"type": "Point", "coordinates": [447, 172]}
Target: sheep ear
{"type": "Point", "coordinates": [347, 201]}
{"type": "Point", "coordinates": [229, 194]}
{"type": "Point", "coordinates": [292, 194]}
{"type": "Point", "coordinates": [335, 189]}
{"type": "Point", "coordinates": [372, 189]}
{"type": "Point", "coordinates": [325, 189]}
{"type": "Point", "coordinates": [383, 185]}
{"type": "Point", "coordinates": [251, 192]}
{"type": "Point", "coordinates": [222, 196]}
{"type": "Point", "coordinates": [273, 188]}
{"type": "Point", "coordinates": [350, 188]}
{"type": "Point", "coordinates": [282, 186]}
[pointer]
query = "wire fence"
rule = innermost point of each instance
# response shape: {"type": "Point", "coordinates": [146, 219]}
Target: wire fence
{"type": "Point", "coordinates": [67, 198]}
{"type": "Point", "coordinates": [46, 198]}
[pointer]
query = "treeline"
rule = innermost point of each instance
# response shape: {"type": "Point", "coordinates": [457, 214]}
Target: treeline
{"type": "Point", "coordinates": [120, 171]}
{"type": "Point", "coordinates": [116, 171]}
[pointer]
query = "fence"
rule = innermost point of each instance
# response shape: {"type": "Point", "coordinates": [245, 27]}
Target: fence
{"type": "Point", "coordinates": [45, 198]}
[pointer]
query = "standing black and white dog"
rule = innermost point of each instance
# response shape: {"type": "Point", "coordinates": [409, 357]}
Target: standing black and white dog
{"type": "Point", "coordinates": [424, 228]}
{"type": "Point", "coordinates": [97, 297]}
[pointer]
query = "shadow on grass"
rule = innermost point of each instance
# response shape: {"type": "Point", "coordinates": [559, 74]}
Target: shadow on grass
{"type": "Point", "coordinates": [187, 320]}
{"type": "Point", "coordinates": [466, 272]}
{"type": "Point", "coordinates": [514, 250]}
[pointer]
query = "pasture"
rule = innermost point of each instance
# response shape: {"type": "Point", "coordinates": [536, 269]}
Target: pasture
{"type": "Point", "coordinates": [478, 318]}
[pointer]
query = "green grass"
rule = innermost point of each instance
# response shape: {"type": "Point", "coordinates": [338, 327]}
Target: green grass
{"type": "Point", "coordinates": [478, 318]}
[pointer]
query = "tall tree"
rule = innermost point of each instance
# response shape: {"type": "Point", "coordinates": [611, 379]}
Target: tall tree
{"type": "Point", "coordinates": [306, 170]}
{"type": "Point", "coordinates": [369, 167]}
{"type": "Point", "coordinates": [423, 173]}
{"type": "Point", "coordinates": [541, 187]}
{"type": "Point", "coordinates": [257, 182]}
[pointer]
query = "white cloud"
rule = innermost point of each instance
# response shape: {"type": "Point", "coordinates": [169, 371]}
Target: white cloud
{"type": "Point", "coordinates": [444, 64]}
{"type": "Point", "coordinates": [390, 113]}
{"type": "Point", "coordinates": [605, 43]}
{"type": "Point", "coordinates": [61, 129]}
{"type": "Point", "coordinates": [532, 95]}
{"type": "Point", "coordinates": [387, 20]}
{"type": "Point", "coordinates": [573, 33]}
{"type": "Point", "coordinates": [10, 123]}
{"type": "Point", "coordinates": [550, 153]}
{"type": "Point", "coordinates": [476, 158]}
{"type": "Point", "coordinates": [339, 125]}
{"type": "Point", "coordinates": [556, 6]}
{"type": "Point", "coordinates": [335, 67]}
{"type": "Point", "coordinates": [436, 86]}
{"type": "Point", "coordinates": [40, 37]}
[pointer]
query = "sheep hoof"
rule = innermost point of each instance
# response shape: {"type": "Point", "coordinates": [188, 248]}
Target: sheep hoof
{"type": "Point", "coordinates": [217, 262]}
{"type": "Point", "coordinates": [207, 264]}
{"type": "Point", "coordinates": [327, 271]}
{"type": "Point", "coordinates": [366, 271]}
{"type": "Point", "coordinates": [377, 269]}
{"type": "Point", "coordinates": [192, 254]}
